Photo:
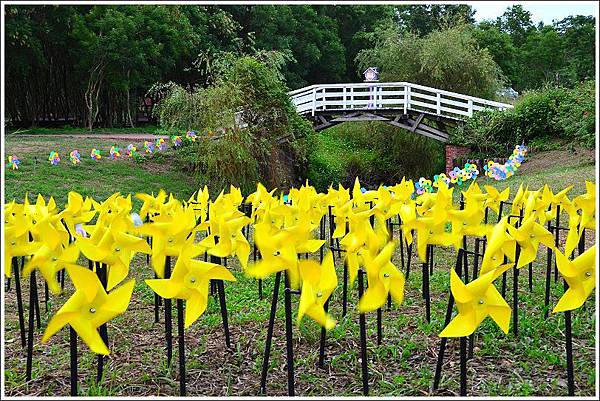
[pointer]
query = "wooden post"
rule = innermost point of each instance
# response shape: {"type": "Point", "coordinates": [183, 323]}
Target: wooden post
{"type": "Point", "coordinates": [314, 101]}
{"type": "Point", "coordinates": [345, 102]}
{"type": "Point", "coordinates": [470, 103]}
{"type": "Point", "coordinates": [438, 104]}
{"type": "Point", "coordinates": [406, 98]}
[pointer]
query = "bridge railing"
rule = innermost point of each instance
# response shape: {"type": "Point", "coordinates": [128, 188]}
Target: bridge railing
{"type": "Point", "coordinates": [389, 95]}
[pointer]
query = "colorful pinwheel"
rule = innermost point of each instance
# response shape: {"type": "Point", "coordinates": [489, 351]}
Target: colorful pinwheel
{"type": "Point", "coordinates": [191, 136]}
{"type": "Point", "coordinates": [95, 154]}
{"type": "Point", "coordinates": [54, 158]}
{"type": "Point", "coordinates": [75, 157]}
{"type": "Point", "coordinates": [149, 146]}
{"type": "Point", "coordinates": [130, 150]}
{"type": "Point", "coordinates": [177, 141]}
{"type": "Point", "coordinates": [13, 162]}
{"type": "Point", "coordinates": [115, 152]}
{"type": "Point", "coordinates": [161, 145]}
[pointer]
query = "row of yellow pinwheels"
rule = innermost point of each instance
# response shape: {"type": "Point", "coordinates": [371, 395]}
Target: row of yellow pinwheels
{"type": "Point", "coordinates": [284, 227]}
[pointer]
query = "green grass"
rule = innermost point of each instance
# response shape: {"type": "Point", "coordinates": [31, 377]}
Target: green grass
{"type": "Point", "coordinates": [403, 365]}
{"type": "Point", "coordinates": [98, 179]}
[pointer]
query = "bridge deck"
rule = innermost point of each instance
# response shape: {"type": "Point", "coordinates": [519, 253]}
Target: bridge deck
{"type": "Point", "coordinates": [392, 102]}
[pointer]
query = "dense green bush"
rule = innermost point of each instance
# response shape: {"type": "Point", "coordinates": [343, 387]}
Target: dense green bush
{"type": "Point", "coordinates": [271, 148]}
{"type": "Point", "coordinates": [375, 152]}
{"type": "Point", "coordinates": [222, 162]}
{"type": "Point", "coordinates": [540, 117]}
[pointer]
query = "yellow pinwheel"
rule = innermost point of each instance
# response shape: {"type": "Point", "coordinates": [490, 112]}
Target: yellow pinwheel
{"type": "Point", "coordinates": [580, 275]}
{"type": "Point", "coordinates": [113, 246]}
{"type": "Point", "coordinates": [499, 244]}
{"type": "Point", "coordinates": [475, 301]}
{"type": "Point", "coordinates": [77, 211]}
{"type": "Point", "coordinates": [190, 281]}
{"type": "Point", "coordinates": [277, 253]}
{"type": "Point", "coordinates": [16, 235]}
{"type": "Point", "coordinates": [587, 204]}
{"type": "Point", "coordinates": [89, 308]}
{"type": "Point", "coordinates": [318, 283]}
{"type": "Point", "coordinates": [50, 261]}
{"type": "Point", "coordinates": [383, 278]}
{"type": "Point", "coordinates": [169, 231]}
{"type": "Point", "coordinates": [529, 235]}
{"type": "Point", "coordinates": [494, 197]}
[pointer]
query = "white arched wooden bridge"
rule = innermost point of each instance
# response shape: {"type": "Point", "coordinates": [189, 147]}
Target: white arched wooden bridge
{"type": "Point", "coordinates": [401, 104]}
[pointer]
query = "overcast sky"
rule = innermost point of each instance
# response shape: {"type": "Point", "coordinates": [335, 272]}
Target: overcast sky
{"type": "Point", "coordinates": [545, 11]}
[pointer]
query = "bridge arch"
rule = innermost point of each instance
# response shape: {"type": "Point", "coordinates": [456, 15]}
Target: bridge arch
{"type": "Point", "coordinates": [413, 107]}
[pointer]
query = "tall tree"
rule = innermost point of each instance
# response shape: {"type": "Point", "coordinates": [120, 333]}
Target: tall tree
{"type": "Point", "coordinates": [353, 23]}
{"type": "Point", "coordinates": [516, 21]}
{"type": "Point", "coordinates": [579, 46]}
{"type": "Point", "coordinates": [422, 19]}
{"type": "Point", "coordinates": [310, 38]}
{"type": "Point", "coordinates": [501, 48]}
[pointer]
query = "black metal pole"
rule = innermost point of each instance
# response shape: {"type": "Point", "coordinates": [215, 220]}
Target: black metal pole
{"type": "Point", "coordinates": [46, 295]}
{"type": "Point", "coordinates": [36, 302]}
{"type": "Point", "coordinates": [265, 366]}
{"type": "Point", "coordinates": [379, 327]}
{"type": "Point", "coordinates": [17, 273]}
{"type": "Point", "coordinates": [463, 366]}
{"type": "Point", "coordinates": [322, 340]}
{"type": "Point", "coordinates": [345, 289]}
{"type": "Point", "coordinates": [288, 336]}
{"type": "Point", "coordinates": [530, 268]}
{"type": "Point", "coordinates": [516, 293]}
{"type": "Point", "coordinates": [102, 275]}
{"type": "Point", "coordinates": [168, 316]}
{"type": "Point", "coordinates": [30, 326]}
{"type": "Point", "coordinates": [409, 258]}
{"type": "Point", "coordinates": [221, 290]}
{"type": "Point", "coordinates": [556, 240]}
{"type": "Point", "coordinates": [156, 309]}
{"type": "Point", "coordinates": [426, 286]}
{"type": "Point", "coordinates": [569, 351]}
{"type": "Point", "coordinates": [548, 275]}
{"type": "Point", "coordinates": [363, 338]}
{"type": "Point", "coordinates": [181, 333]}
{"type": "Point", "coordinates": [504, 280]}
{"type": "Point", "coordinates": [73, 355]}
{"type": "Point", "coordinates": [444, 340]}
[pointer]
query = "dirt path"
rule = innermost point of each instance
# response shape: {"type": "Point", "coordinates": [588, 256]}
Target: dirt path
{"type": "Point", "coordinates": [140, 137]}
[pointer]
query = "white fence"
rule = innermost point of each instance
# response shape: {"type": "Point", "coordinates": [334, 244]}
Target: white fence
{"type": "Point", "coordinates": [389, 95]}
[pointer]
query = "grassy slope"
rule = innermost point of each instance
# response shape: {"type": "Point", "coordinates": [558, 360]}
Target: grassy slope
{"type": "Point", "coordinates": [94, 178]}
{"type": "Point", "coordinates": [532, 364]}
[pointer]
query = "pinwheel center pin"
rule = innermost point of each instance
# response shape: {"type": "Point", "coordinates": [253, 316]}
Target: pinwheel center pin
{"type": "Point", "coordinates": [386, 275]}
{"type": "Point", "coordinates": [92, 310]}
{"type": "Point", "coordinates": [170, 239]}
{"type": "Point", "coordinates": [481, 302]}
{"type": "Point", "coordinates": [54, 259]}
{"type": "Point", "coordinates": [588, 273]}
{"type": "Point", "coordinates": [117, 249]}
{"type": "Point", "coordinates": [191, 281]}
{"type": "Point", "coordinates": [276, 253]}
{"type": "Point", "coordinates": [319, 294]}
{"type": "Point", "coordinates": [12, 242]}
